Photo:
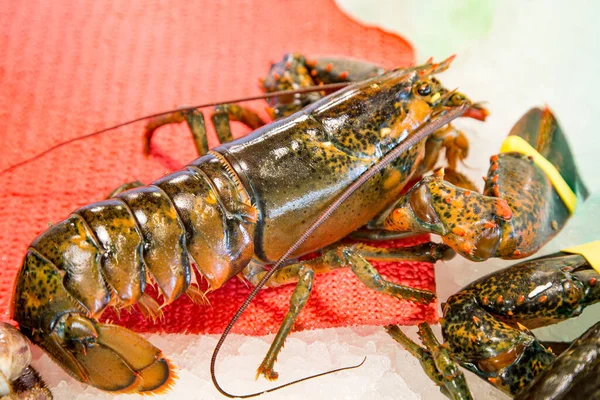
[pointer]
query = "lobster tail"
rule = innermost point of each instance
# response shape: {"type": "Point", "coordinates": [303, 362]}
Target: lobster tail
{"type": "Point", "coordinates": [103, 255]}
{"type": "Point", "coordinates": [114, 358]}
{"type": "Point", "coordinates": [107, 356]}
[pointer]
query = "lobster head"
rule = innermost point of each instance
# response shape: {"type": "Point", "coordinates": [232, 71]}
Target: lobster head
{"type": "Point", "coordinates": [430, 89]}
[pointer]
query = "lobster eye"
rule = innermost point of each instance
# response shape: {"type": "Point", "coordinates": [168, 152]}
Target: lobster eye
{"type": "Point", "coordinates": [424, 89]}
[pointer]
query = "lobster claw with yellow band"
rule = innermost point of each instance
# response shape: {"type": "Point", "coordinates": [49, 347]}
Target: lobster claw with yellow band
{"type": "Point", "coordinates": [517, 144]}
{"type": "Point", "coordinates": [539, 136]}
{"type": "Point", "coordinates": [552, 142]}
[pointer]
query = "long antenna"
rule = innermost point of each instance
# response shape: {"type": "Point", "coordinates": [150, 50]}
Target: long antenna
{"type": "Point", "coordinates": [331, 86]}
{"type": "Point", "coordinates": [412, 140]}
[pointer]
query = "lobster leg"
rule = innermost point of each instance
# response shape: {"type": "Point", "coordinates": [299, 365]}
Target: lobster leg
{"type": "Point", "coordinates": [287, 74]}
{"type": "Point", "coordinates": [340, 256]}
{"type": "Point", "coordinates": [292, 72]}
{"type": "Point", "coordinates": [355, 257]}
{"type": "Point", "coordinates": [124, 187]}
{"type": "Point", "coordinates": [195, 121]}
{"type": "Point", "coordinates": [456, 147]}
{"type": "Point", "coordinates": [453, 378]}
{"type": "Point", "coordinates": [427, 252]}
{"type": "Point", "coordinates": [305, 275]}
{"type": "Point", "coordinates": [420, 353]}
{"type": "Point", "coordinates": [435, 361]}
{"type": "Point", "coordinates": [221, 118]}
{"type": "Point", "coordinates": [279, 78]}
{"type": "Point", "coordinates": [224, 113]}
{"type": "Point", "coordinates": [344, 257]}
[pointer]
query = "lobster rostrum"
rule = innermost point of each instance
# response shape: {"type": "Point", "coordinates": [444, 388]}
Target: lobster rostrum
{"type": "Point", "coordinates": [229, 212]}
{"type": "Point", "coordinates": [486, 326]}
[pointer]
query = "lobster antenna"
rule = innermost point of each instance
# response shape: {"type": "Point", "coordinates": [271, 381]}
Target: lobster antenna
{"type": "Point", "coordinates": [412, 140]}
{"type": "Point", "coordinates": [309, 89]}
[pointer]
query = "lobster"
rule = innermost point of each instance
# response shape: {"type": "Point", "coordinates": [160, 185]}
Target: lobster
{"type": "Point", "coordinates": [225, 214]}
{"type": "Point", "coordinates": [486, 326]}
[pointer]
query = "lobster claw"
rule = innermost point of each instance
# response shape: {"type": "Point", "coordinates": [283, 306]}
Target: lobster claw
{"type": "Point", "coordinates": [414, 212]}
{"type": "Point", "coordinates": [108, 357]}
{"type": "Point", "coordinates": [436, 206]}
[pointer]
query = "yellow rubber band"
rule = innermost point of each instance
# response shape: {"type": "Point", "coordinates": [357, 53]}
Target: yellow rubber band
{"type": "Point", "coordinates": [517, 144]}
{"type": "Point", "coordinates": [591, 252]}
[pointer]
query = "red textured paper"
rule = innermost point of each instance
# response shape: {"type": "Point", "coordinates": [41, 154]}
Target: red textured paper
{"type": "Point", "coordinates": [70, 68]}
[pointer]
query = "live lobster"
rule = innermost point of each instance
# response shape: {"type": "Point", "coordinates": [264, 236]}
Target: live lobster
{"type": "Point", "coordinates": [216, 215]}
{"type": "Point", "coordinates": [225, 214]}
